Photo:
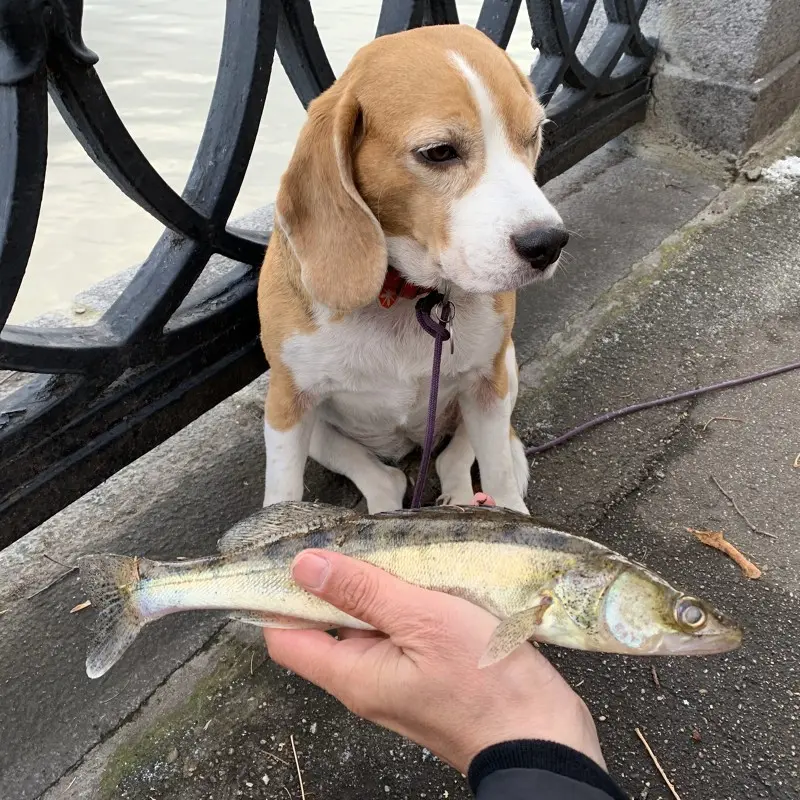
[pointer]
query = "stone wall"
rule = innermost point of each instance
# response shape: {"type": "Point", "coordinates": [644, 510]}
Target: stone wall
{"type": "Point", "coordinates": [729, 70]}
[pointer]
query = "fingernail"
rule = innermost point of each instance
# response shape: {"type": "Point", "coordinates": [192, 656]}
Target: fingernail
{"type": "Point", "coordinates": [310, 570]}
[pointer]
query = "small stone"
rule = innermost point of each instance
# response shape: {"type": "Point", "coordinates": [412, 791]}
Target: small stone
{"type": "Point", "coordinates": [172, 756]}
{"type": "Point", "coordinates": [696, 735]}
{"type": "Point", "coordinates": [291, 690]}
{"type": "Point", "coordinates": [80, 309]}
{"type": "Point", "coordinates": [753, 174]}
{"type": "Point", "coordinates": [189, 767]}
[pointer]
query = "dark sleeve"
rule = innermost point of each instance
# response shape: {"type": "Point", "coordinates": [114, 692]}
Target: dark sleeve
{"type": "Point", "coordinates": [532, 769]}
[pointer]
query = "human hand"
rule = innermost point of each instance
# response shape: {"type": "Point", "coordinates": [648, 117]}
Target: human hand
{"type": "Point", "coordinates": [419, 677]}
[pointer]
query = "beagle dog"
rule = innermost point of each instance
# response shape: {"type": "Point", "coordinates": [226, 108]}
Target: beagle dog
{"type": "Point", "coordinates": [413, 172]}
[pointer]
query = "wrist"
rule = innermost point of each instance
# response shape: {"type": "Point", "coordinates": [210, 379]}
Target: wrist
{"type": "Point", "coordinates": [546, 756]}
{"type": "Point", "coordinates": [568, 723]}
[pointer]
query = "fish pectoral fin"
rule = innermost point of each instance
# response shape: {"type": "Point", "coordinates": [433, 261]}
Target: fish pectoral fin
{"type": "Point", "coordinates": [514, 631]}
{"type": "Point", "coordinates": [267, 620]}
{"type": "Point", "coordinates": [281, 521]}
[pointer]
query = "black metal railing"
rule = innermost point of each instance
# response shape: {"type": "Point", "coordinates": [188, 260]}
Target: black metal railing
{"type": "Point", "coordinates": [104, 394]}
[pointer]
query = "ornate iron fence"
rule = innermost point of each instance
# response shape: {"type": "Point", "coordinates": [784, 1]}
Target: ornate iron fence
{"type": "Point", "coordinates": [104, 394]}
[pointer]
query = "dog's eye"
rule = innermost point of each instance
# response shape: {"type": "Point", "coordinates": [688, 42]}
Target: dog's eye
{"type": "Point", "coordinates": [438, 153]}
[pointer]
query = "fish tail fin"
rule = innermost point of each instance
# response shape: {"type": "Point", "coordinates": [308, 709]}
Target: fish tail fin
{"type": "Point", "coordinates": [107, 579]}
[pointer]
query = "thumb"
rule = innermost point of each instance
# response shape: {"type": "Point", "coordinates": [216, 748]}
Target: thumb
{"type": "Point", "coordinates": [363, 591]}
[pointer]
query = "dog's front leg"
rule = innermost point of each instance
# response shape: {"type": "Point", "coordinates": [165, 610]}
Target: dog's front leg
{"type": "Point", "coordinates": [288, 424]}
{"type": "Point", "coordinates": [486, 415]}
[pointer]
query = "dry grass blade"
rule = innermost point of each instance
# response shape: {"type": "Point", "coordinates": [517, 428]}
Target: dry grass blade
{"type": "Point", "coordinates": [297, 764]}
{"type": "Point", "coordinates": [80, 606]}
{"type": "Point", "coordinates": [4, 611]}
{"type": "Point", "coordinates": [717, 540]}
{"type": "Point", "coordinates": [657, 765]}
{"type": "Point", "coordinates": [796, 464]}
{"type": "Point", "coordinates": [740, 512]}
{"type": "Point", "coordinates": [656, 681]}
{"type": "Point", "coordinates": [51, 584]}
{"type": "Point", "coordinates": [277, 758]}
{"type": "Point", "coordinates": [729, 419]}
{"type": "Point", "coordinates": [56, 561]}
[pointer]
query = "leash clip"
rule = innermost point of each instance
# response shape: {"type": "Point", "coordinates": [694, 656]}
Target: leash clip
{"type": "Point", "coordinates": [437, 325]}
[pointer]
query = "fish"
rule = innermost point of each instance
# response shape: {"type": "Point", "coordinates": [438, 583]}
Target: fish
{"type": "Point", "coordinates": [542, 584]}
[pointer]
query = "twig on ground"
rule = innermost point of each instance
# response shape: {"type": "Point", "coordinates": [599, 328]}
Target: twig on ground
{"type": "Point", "coordinates": [52, 583]}
{"type": "Point", "coordinates": [658, 766]}
{"type": "Point", "coordinates": [4, 611]}
{"type": "Point", "coordinates": [656, 681]}
{"type": "Point", "coordinates": [297, 764]}
{"type": "Point", "coordinates": [277, 758]}
{"type": "Point", "coordinates": [716, 539]}
{"type": "Point", "coordinates": [80, 606]}
{"type": "Point", "coordinates": [56, 561]}
{"type": "Point", "coordinates": [741, 513]}
{"type": "Point", "coordinates": [252, 656]}
{"type": "Point", "coordinates": [729, 419]}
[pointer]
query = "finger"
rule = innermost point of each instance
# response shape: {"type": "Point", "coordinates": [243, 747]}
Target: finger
{"type": "Point", "coordinates": [366, 592]}
{"type": "Point", "coordinates": [332, 665]}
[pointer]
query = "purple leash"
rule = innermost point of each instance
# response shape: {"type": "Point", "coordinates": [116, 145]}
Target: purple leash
{"type": "Point", "coordinates": [438, 329]}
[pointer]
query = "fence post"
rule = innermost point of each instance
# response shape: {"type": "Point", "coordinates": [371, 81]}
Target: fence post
{"type": "Point", "coordinates": [729, 72]}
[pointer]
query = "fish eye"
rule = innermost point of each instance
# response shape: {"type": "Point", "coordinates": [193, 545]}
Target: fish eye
{"type": "Point", "coordinates": [689, 614]}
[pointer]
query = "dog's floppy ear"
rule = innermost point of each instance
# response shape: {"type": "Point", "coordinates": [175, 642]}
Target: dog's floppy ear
{"type": "Point", "coordinates": [334, 235]}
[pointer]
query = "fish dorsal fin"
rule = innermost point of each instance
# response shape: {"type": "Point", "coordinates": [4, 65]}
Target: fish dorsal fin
{"type": "Point", "coordinates": [279, 521]}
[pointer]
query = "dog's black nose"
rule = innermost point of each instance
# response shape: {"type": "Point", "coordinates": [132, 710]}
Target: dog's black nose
{"type": "Point", "coordinates": [540, 247]}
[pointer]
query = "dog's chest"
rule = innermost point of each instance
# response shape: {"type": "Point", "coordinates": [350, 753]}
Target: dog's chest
{"type": "Point", "coordinates": [379, 360]}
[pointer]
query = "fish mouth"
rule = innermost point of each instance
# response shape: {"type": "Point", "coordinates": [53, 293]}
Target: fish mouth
{"type": "Point", "coordinates": [703, 644]}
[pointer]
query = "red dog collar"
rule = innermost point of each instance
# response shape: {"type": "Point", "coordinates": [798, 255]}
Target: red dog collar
{"type": "Point", "coordinates": [396, 286]}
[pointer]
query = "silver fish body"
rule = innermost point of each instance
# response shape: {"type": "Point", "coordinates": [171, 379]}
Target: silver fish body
{"type": "Point", "coordinates": [542, 584]}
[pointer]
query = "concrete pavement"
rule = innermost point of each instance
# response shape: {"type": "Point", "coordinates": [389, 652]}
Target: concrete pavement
{"type": "Point", "coordinates": [194, 712]}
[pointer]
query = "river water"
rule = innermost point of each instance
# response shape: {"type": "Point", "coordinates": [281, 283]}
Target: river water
{"type": "Point", "coordinates": [158, 62]}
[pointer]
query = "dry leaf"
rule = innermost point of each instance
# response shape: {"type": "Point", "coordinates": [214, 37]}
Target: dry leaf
{"type": "Point", "coordinates": [717, 540]}
{"type": "Point", "coordinates": [80, 606]}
